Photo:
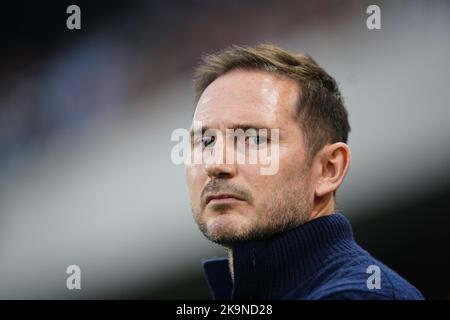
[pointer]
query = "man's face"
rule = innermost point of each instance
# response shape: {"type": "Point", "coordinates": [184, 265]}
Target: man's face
{"type": "Point", "coordinates": [251, 205]}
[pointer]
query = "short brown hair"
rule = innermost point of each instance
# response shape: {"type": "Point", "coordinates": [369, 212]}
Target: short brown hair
{"type": "Point", "coordinates": [320, 110]}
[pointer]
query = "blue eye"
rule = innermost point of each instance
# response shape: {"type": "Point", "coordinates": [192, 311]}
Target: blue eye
{"type": "Point", "coordinates": [207, 141]}
{"type": "Point", "coordinates": [204, 141]}
{"type": "Point", "coordinates": [257, 140]}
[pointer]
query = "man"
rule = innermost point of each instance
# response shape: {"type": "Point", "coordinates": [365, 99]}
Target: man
{"type": "Point", "coordinates": [284, 236]}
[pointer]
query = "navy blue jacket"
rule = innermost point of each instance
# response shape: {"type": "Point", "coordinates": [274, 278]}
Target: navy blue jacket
{"type": "Point", "coordinates": [317, 260]}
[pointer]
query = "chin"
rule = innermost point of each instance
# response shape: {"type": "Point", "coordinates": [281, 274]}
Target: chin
{"type": "Point", "coordinates": [229, 226]}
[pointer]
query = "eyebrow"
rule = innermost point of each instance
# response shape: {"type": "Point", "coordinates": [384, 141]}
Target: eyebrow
{"type": "Point", "coordinates": [243, 126]}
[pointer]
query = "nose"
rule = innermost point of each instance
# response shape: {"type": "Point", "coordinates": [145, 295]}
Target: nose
{"type": "Point", "coordinates": [221, 171]}
{"type": "Point", "coordinates": [219, 167]}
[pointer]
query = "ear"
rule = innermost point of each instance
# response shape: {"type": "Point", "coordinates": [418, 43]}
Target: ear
{"type": "Point", "coordinates": [333, 163]}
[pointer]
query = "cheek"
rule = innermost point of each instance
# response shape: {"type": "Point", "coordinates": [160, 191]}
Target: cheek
{"type": "Point", "coordinates": [292, 159]}
{"type": "Point", "coordinates": [260, 185]}
{"type": "Point", "coordinates": [290, 171]}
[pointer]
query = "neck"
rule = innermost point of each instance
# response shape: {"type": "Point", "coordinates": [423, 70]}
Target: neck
{"type": "Point", "coordinates": [230, 262]}
{"type": "Point", "coordinates": [323, 206]}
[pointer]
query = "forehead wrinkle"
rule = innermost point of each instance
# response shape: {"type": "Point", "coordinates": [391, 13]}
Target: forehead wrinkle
{"type": "Point", "coordinates": [268, 92]}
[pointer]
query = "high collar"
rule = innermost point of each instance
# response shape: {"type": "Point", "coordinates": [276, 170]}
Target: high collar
{"type": "Point", "coordinates": [270, 268]}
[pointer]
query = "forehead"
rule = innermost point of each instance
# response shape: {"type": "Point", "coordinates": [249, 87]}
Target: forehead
{"type": "Point", "coordinates": [247, 96]}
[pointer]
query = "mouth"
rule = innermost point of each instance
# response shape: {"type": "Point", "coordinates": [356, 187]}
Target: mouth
{"type": "Point", "coordinates": [223, 198]}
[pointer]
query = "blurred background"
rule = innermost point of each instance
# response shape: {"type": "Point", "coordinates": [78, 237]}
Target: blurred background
{"type": "Point", "coordinates": [86, 116]}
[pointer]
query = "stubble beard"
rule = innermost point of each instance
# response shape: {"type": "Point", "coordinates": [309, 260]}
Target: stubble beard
{"type": "Point", "coordinates": [285, 208]}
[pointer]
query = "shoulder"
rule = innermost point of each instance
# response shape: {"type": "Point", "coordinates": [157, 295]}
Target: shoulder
{"type": "Point", "coordinates": [363, 277]}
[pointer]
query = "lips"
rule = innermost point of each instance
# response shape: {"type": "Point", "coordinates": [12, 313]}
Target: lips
{"type": "Point", "coordinates": [222, 197]}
